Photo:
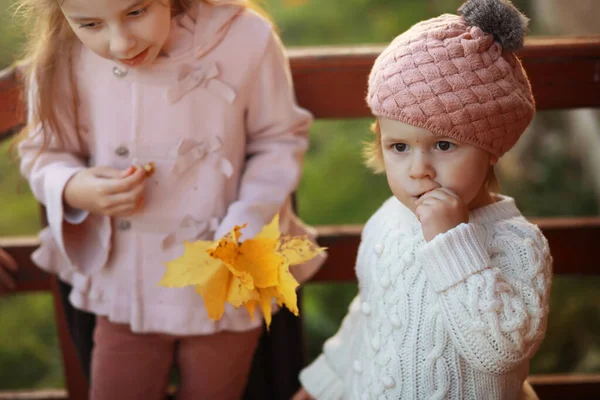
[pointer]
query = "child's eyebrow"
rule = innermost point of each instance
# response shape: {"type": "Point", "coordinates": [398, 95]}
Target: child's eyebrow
{"type": "Point", "coordinates": [134, 4]}
{"type": "Point", "coordinates": [393, 138]}
{"type": "Point", "coordinates": [441, 137]}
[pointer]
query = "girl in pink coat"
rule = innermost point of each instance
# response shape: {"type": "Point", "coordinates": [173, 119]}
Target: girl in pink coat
{"type": "Point", "coordinates": [202, 90]}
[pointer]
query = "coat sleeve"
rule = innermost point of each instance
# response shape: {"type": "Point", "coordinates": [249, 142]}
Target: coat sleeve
{"type": "Point", "coordinates": [48, 165]}
{"type": "Point", "coordinates": [277, 138]}
{"type": "Point", "coordinates": [494, 297]}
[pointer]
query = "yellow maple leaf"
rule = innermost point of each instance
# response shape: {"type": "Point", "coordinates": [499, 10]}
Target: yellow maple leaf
{"type": "Point", "coordinates": [215, 292]}
{"type": "Point", "coordinates": [252, 273]}
{"type": "Point", "coordinates": [193, 268]}
{"type": "Point", "coordinates": [298, 250]}
{"type": "Point", "coordinates": [286, 290]}
{"type": "Point", "coordinates": [239, 294]}
{"type": "Point", "coordinates": [250, 306]}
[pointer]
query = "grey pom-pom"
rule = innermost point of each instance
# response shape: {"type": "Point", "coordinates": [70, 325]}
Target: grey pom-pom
{"type": "Point", "coordinates": [499, 18]}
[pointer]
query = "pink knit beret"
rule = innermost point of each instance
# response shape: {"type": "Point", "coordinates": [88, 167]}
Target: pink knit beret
{"type": "Point", "coordinates": [457, 76]}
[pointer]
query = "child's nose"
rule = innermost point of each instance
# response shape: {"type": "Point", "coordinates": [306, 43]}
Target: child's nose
{"type": "Point", "coordinates": [420, 166]}
{"type": "Point", "coordinates": [121, 42]}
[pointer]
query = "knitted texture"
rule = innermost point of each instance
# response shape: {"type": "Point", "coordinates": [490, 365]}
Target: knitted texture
{"type": "Point", "coordinates": [456, 318]}
{"type": "Point", "coordinates": [454, 80]}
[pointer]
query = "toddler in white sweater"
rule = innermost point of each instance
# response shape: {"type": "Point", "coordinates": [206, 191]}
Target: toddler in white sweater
{"type": "Point", "coordinates": [454, 282]}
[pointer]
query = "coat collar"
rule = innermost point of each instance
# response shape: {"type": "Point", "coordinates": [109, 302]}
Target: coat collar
{"type": "Point", "coordinates": [201, 29]}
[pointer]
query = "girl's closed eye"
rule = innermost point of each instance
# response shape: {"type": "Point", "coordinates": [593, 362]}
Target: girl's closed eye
{"type": "Point", "coordinates": [444, 145]}
{"type": "Point", "coordinates": [90, 25]}
{"type": "Point", "coordinates": [137, 13]}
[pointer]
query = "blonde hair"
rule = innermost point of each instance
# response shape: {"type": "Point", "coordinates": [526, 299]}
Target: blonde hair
{"type": "Point", "coordinates": [48, 53]}
{"type": "Point", "coordinates": [373, 153]}
{"type": "Point", "coordinates": [373, 156]}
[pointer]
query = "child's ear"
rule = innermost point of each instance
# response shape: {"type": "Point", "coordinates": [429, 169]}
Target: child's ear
{"type": "Point", "coordinates": [493, 159]}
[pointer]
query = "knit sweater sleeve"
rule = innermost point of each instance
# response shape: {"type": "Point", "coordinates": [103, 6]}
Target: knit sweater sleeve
{"type": "Point", "coordinates": [323, 379]}
{"type": "Point", "coordinates": [493, 285]}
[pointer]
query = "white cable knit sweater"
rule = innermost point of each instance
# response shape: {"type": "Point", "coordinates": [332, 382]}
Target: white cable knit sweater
{"type": "Point", "coordinates": [456, 318]}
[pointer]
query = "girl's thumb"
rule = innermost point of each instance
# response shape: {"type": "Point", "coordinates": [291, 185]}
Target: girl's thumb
{"type": "Point", "coordinates": [107, 172]}
{"type": "Point", "coordinates": [127, 172]}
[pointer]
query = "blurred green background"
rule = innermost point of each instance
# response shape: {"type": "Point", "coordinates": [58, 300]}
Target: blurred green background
{"type": "Point", "coordinates": [546, 175]}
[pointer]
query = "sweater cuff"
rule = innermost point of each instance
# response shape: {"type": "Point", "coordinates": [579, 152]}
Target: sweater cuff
{"type": "Point", "coordinates": [321, 381]}
{"type": "Point", "coordinates": [452, 257]}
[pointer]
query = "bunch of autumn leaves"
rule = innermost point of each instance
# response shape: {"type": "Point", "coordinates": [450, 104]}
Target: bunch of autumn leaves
{"type": "Point", "coordinates": [251, 273]}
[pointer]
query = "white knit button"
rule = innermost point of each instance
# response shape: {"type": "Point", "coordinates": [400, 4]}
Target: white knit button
{"type": "Point", "coordinates": [407, 257]}
{"type": "Point", "coordinates": [385, 281]}
{"type": "Point", "coordinates": [365, 308]}
{"type": "Point", "coordinates": [356, 366]}
{"type": "Point", "coordinates": [378, 249]}
{"type": "Point", "coordinates": [395, 321]}
{"type": "Point", "coordinates": [365, 396]}
{"type": "Point", "coordinates": [388, 382]}
{"type": "Point", "coordinates": [375, 342]}
{"type": "Point", "coordinates": [119, 73]}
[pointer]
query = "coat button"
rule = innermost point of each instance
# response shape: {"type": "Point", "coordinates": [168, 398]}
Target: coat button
{"type": "Point", "coordinates": [124, 225]}
{"type": "Point", "coordinates": [119, 73]}
{"type": "Point", "coordinates": [122, 151]}
{"type": "Point", "coordinates": [356, 366]}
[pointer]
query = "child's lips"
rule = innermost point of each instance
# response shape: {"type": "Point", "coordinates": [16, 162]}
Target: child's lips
{"type": "Point", "coordinates": [139, 59]}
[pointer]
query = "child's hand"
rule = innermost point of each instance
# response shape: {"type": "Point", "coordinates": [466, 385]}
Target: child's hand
{"type": "Point", "coordinates": [106, 191]}
{"type": "Point", "coordinates": [439, 211]}
{"type": "Point", "coordinates": [302, 395]}
{"type": "Point", "coordinates": [7, 265]}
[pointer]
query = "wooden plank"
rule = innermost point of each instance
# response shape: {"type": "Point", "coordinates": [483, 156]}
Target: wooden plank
{"type": "Point", "coordinates": [12, 110]}
{"type": "Point", "coordinates": [342, 246]}
{"type": "Point", "coordinates": [560, 387]}
{"type": "Point", "coordinates": [331, 82]}
{"type": "Point", "coordinates": [29, 277]}
{"type": "Point", "coordinates": [547, 387]}
{"type": "Point", "coordinates": [42, 394]}
{"type": "Point", "coordinates": [75, 379]}
{"type": "Point", "coordinates": [572, 243]}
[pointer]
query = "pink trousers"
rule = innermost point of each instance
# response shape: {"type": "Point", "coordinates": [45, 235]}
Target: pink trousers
{"type": "Point", "coordinates": [132, 366]}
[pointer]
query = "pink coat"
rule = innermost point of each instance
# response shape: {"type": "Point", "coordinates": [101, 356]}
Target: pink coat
{"type": "Point", "coordinates": [218, 117]}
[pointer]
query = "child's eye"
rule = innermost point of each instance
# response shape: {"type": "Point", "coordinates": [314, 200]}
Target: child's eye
{"type": "Point", "coordinates": [444, 146]}
{"type": "Point", "coordinates": [137, 13]}
{"type": "Point", "coordinates": [399, 147]}
{"type": "Point", "coordinates": [90, 25]}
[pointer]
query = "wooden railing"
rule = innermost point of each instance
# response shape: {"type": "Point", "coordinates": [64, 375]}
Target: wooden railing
{"type": "Point", "coordinates": [331, 82]}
